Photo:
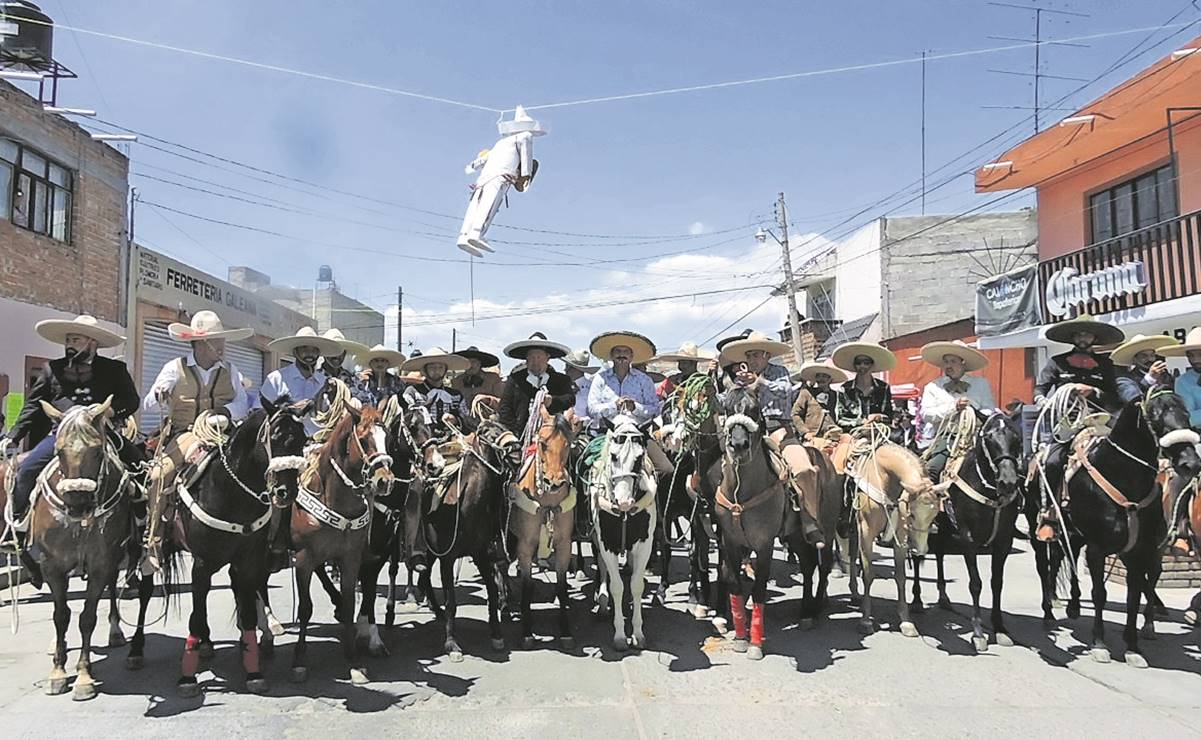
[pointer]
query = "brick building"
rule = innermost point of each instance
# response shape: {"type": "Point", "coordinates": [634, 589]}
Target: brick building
{"type": "Point", "coordinates": [63, 218]}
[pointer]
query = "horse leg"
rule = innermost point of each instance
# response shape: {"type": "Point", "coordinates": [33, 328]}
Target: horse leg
{"type": "Point", "coordinates": [1154, 568]}
{"type": "Point", "coordinates": [198, 630]}
{"type": "Point", "coordinates": [453, 651]}
{"type": "Point", "coordinates": [999, 555]}
{"type": "Point", "coordinates": [1042, 564]}
{"type": "Point", "coordinates": [304, 612]}
{"type": "Point", "coordinates": [616, 584]}
{"type": "Point", "coordinates": [333, 590]}
{"type": "Point", "coordinates": [1136, 585]}
{"type": "Point", "coordinates": [1073, 607]}
{"type": "Point", "coordinates": [116, 638]}
{"type": "Point", "coordinates": [640, 555]}
{"type": "Point", "coordinates": [1096, 570]}
{"type": "Point", "coordinates": [525, 572]}
{"type": "Point", "coordinates": [135, 660]}
{"type": "Point", "coordinates": [245, 579]}
{"type": "Point", "coordinates": [975, 585]}
{"type": "Point", "coordinates": [349, 568]}
{"type": "Point", "coordinates": [863, 541]}
{"type": "Point", "coordinates": [57, 580]}
{"type": "Point", "coordinates": [393, 571]}
{"type": "Point", "coordinates": [730, 567]}
{"type": "Point", "coordinates": [368, 631]}
{"type": "Point", "coordinates": [604, 596]}
{"type": "Point", "coordinates": [658, 540]}
{"type": "Point", "coordinates": [268, 622]}
{"type": "Point", "coordinates": [85, 685]}
{"type": "Point", "coordinates": [700, 569]}
{"type": "Point", "coordinates": [562, 558]}
{"type": "Point", "coordinates": [763, 557]}
{"type": "Point", "coordinates": [425, 580]}
{"type": "Point", "coordinates": [916, 605]}
{"type": "Point", "coordinates": [908, 628]}
{"type": "Point", "coordinates": [491, 575]}
{"type": "Point", "coordinates": [944, 601]}
{"type": "Point", "coordinates": [806, 560]}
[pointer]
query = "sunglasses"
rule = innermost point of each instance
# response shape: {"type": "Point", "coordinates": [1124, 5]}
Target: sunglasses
{"type": "Point", "coordinates": [865, 361]}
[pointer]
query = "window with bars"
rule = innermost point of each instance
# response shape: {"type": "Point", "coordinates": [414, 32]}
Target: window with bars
{"type": "Point", "coordinates": [1134, 204]}
{"type": "Point", "coordinates": [35, 193]}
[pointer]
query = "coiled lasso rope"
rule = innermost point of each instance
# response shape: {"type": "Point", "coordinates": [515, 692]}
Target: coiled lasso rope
{"type": "Point", "coordinates": [329, 417]}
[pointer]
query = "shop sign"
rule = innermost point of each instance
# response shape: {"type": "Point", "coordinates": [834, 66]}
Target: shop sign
{"type": "Point", "coordinates": [1068, 287]}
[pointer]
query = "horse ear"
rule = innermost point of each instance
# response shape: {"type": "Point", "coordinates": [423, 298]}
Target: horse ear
{"type": "Point", "coordinates": [646, 428]}
{"type": "Point", "coordinates": [608, 424]}
{"type": "Point", "coordinates": [267, 405]}
{"type": "Point", "coordinates": [50, 411]}
{"type": "Point", "coordinates": [302, 408]}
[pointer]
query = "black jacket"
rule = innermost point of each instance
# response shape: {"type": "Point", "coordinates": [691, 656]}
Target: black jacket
{"type": "Point", "coordinates": [854, 407]}
{"type": "Point", "coordinates": [1080, 367]}
{"type": "Point", "coordinates": [109, 377]}
{"type": "Point", "coordinates": [519, 393]}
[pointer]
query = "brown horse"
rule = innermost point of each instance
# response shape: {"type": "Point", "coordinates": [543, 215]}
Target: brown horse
{"type": "Point", "coordinates": [541, 498]}
{"type": "Point", "coordinates": [330, 521]}
{"type": "Point", "coordinates": [80, 519]}
{"type": "Point", "coordinates": [892, 495]}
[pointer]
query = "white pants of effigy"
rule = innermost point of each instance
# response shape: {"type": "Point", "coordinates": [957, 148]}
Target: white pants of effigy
{"type": "Point", "coordinates": [481, 209]}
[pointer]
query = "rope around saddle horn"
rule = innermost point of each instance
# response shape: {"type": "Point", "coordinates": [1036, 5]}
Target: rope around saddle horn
{"type": "Point", "coordinates": [328, 418]}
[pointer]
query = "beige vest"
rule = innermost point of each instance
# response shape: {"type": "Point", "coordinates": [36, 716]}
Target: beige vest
{"type": "Point", "coordinates": [191, 395]}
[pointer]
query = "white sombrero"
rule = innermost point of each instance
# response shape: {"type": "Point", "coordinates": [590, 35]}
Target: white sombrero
{"type": "Point", "coordinates": [579, 359]}
{"type": "Point", "coordinates": [973, 359]}
{"type": "Point", "coordinates": [844, 356]}
{"type": "Point", "coordinates": [688, 351]}
{"type": "Point", "coordinates": [351, 347]}
{"type": "Point", "coordinates": [603, 344]}
{"type": "Point", "coordinates": [305, 337]}
{"type": "Point", "coordinates": [206, 325]}
{"type": "Point", "coordinates": [56, 330]}
{"type": "Point", "coordinates": [736, 350]}
{"type": "Point", "coordinates": [810, 370]}
{"type": "Point", "coordinates": [454, 363]}
{"type": "Point", "coordinates": [1192, 343]}
{"type": "Point", "coordinates": [1124, 353]}
{"type": "Point", "coordinates": [380, 352]}
{"type": "Point", "coordinates": [537, 340]}
{"type": "Point", "coordinates": [521, 123]}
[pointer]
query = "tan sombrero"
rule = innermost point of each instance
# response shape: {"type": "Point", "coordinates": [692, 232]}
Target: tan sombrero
{"type": "Point", "coordinates": [810, 370]}
{"type": "Point", "coordinates": [518, 350]}
{"type": "Point", "coordinates": [1124, 354]}
{"type": "Point", "coordinates": [454, 363]}
{"type": "Point", "coordinates": [736, 350]}
{"type": "Point", "coordinates": [206, 325]}
{"type": "Point", "coordinates": [844, 357]}
{"type": "Point", "coordinates": [687, 351]}
{"type": "Point", "coordinates": [351, 347]}
{"type": "Point", "coordinates": [56, 330]}
{"type": "Point", "coordinates": [973, 359]}
{"type": "Point", "coordinates": [603, 344]}
{"type": "Point", "coordinates": [380, 352]}
{"type": "Point", "coordinates": [579, 359]}
{"type": "Point", "coordinates": [1192, 343]}
{"type": "Point", "coordinates": [305, 337]}
{"type": "Point", "coordinates": [1105, 333]}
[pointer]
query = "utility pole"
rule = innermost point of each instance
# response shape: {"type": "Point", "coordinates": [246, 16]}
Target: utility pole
{"type": "Point", "coordinates": [454, 340]}
{"type": "Point", "coordinates": [923, 133]}
{"type": "Point", "coordinates": [794, 317]}
{"type": "Point", "coordinates": [400, 303]}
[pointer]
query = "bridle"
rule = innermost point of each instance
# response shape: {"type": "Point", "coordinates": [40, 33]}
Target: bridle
{"type": "Point", "coordinates": [102, 507]}
{"type": "Point", "coordinates": [275, 493]}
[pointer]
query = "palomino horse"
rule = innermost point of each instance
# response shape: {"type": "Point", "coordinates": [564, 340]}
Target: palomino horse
{"type": "Point", "coordinates": [462, 512]}
{"type": "Point", "coordinates": [224, 508]}
{"type": "Point", "coordinates": [892, 496]}
{"type": "Point", "coordinates": [330, 518]}
{"type": "Point", "coordinates": [541, 500]}
{"type": "Point", "coordinates": [1113, 503]}
{"type": "Point", "coordinates": [79, 517]}
{"type": "Point", "coordinates": [622, 487]}
{"type": "Point", "coordinates": [751, 503]}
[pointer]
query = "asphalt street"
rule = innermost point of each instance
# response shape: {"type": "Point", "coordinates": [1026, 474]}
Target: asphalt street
{"type": "Point", "coordinates": [829, 681]}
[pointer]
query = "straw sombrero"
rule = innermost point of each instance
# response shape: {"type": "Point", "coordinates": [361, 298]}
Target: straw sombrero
{"type": "Point", "coordinates": [56, 330]}
{"type": "Point", "coordinates": [380, 352]}
{"type": "Point", "coordinates": [810, 370]}
{"type": "Point", "coordinates": [736, 350]}
{"type": "Point", "coordinates": [603, 344]}
{"type": "Point", "coordinates": [1192, 343]}
{"type": "Point", "coordinates": [973, 359]}
{"type": "Point", "coordinates": [844, 356]}
{"type": "Point", "coordinates": [1124, 354]}
{"type": "Point", "coordinates": [206, 325]}
{"type": "Point", "coordinates": [305, 337]}
{"type": "Point", "coordinates": [687, 351]}
{"type": "Point", "coordinates": [349, 346]}
{"type": "Point", "coordinates": [579, 359]}
{"type": "Point", "coordinates": [517, 350]}
{"type": "Point", "coordinates": [1105, 333]}
{"type": "Point", "coordinates": [454, 363]}
{"type": "Point", "coordinates": [486, 359]}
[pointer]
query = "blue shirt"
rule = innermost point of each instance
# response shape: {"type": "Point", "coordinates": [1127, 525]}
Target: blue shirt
{"type": "Point", "coordinates": [607, 388]}
{"type": "Point", "coordinates": [1188, 387]}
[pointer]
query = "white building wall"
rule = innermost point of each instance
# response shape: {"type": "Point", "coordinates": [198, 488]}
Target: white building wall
{"type": "Point", "coordinates": [857, 274]}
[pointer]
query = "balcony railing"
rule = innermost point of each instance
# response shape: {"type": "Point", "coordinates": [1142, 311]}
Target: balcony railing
{"type": "Point", "coordinates": [1170, 257]}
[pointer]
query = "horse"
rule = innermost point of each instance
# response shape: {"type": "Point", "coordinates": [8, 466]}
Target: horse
{"type": "Point", "coordinates": [751, 501]}
{"type": "Point", "coordinates": [982, 506]}
{"type": "Point", "coordinates": [1113, 497]}
{"type": "Point", "coordinates": [892, 496]}
{"type": "Point", "coordinates": [462, 513]}
{"type": "Point", "coordinates": [622, 489]}
{"type": "Point", "coordinates": [542, 498]}
{"type": "Point", "coordinates": [330, 517]}
{"type": "Point", "coordinates": [80, 518]}
{"type": "Point", "coordinates": [811, 559]}
{"type": "Point", "coordinates": [1192, 614]}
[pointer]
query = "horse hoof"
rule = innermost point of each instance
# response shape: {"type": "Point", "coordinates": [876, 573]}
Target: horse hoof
{"type": "Point", "coordinates": [300, 674]}
{"type": "Point", "coordinates": [358, 676]}
{"type": "Point", "coordinates": [909, 629]}
{"type": "Point", "coordinates": [1004, 640]}
{"type": "Point", "coordinates": [409, 607]}
{"type": "Point", "coordinates": [498, 643]}
{"type": "Point", "coordinates": [917, 607]}
{"type": "Point", "coordinates": [1099, 654]}
{"type": "Point", "coordinates": [188, 689]}
{"type": "Point", "coordinates": [116, 639]}
{"type": "Point", "coordinates": [700, 611]}
{"type": "Point", "coordinates": [866, 627]}
{"type": "Point", "coordinates": [739, 645]}
{"type": "Point", "coordinates": [527, 643]}
{"type": "Point", "coordinates": [266, 648]}
{"type": "Point", "coordinates": [602, 604]}
{"type": "Point", "coordinates": [276, 629]}
{"type": "Point", "coordinates": [754, 652]}
{"type": "Point", "coordinates": [945, 604]}
{"type": "Point", "coordinates": [84, 690]}
{"type": "Point", "coordinates": [134, 663]}
{"type": "Point", "coordinates": [1148, 632]}
{"type": "Point", "coordinates": [720, 624]}
{"type": "Point", "coordinates": [206, 650]}
{"type": "Point", "coordinates": [980, 643]}
{"type": "Point", "coordinates": [567, 642]}
{"type": "Point", "coordinates": [455, 656]}
{"type": "Point", "coordinates": [1073, 611]}
{"type": "Point", "coordinates": [256, 685]}
{"type": "Point", "coordinates": [638, 642]}
{"type": "Point", "coordinates": [807, 623]}
{"type": "Point", "coordinates": [619, 643]}
{"type": "Point", "coordinates": [1134, 660]}
{"type": "Point", "coordinates": [57, 686]}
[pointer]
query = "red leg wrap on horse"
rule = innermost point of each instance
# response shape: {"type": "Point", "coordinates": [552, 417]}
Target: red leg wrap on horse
{"type": "Point", "coordinates": [757, 624]}
{"type": "Point", "coordinates": [250, 651]}
{"type": "Point", "coordinates": [191, 657]}
{"type": "Point", "coordinates": [738, 612]}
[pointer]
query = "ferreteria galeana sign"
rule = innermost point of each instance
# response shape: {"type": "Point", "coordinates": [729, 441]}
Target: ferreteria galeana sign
{"type": "Point", "coordinates": [1067, 287]}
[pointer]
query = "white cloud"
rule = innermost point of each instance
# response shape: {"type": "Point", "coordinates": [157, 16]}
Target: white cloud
{"type": "Point", "coordinates": [697, 228]}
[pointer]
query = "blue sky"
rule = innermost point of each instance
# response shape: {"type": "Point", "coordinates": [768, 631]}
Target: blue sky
{"type": "Point", "coordinates": [708, 162]}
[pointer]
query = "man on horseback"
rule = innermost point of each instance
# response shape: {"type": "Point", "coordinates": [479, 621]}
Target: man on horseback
{"type": "Point", "coordinates": [813, 412]}
{"type": "Point", "coordinates": [200, 381]}
{"type": "Point", "coordinates": [688, 361]}
{"type": "Point", "coordinates": [300, 381]}
{"type": "Point", "coordinates": [575, 365]}
{"type": "Point", "coordinates": [1188, 387]}
{"type": "Point", "coordinates": [378, 385]}
{"type": "Point", "coordinates": [79, 378]}
{"type": "Point", "coordinates": [333, 364]}
{"type": "Point", "coordinates": [475, 381]}
{"type": "Point", "coordinates": [445, 404]}
{"type": "Point", "coordinates": [1142, 367]}
{"type": "Point", "coordinates": [944, 398]}
{"type": "Point", "coordinates": [623, 389]}
{"type": "Point", "coordinates": [517, 398]}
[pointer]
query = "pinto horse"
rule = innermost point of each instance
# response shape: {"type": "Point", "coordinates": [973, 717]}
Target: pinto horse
{"type": "Point", "coordinates": [330, 518]}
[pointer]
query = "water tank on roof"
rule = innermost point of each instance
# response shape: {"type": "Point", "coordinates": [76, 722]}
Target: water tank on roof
{"type": "Point", "coordinates": [26, 37]}
{"type": "Point", "coordinates": [325, 274]}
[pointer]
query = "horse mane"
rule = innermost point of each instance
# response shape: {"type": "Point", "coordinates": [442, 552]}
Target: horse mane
{"type": "Point", "coordinates": [75, 425]}
{"type": "Point", "coordinates": [247, 432]}
{"type": "Point", "coordinates": [563, 426]}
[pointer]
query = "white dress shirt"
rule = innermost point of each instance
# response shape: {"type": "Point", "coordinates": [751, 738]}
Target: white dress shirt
{"type": "Point", "coordinates": [537, 380]}
{"type": "Point", "coordinates": [581, 396]}
{"type": "Point", "coordinates": [287, 381]}
{"type": "Point", "coordinates": [168, 377]}
{"type": "Point", "coordinates": [938, 403]}
{"type": "Point", "coordinates": [606, 388]}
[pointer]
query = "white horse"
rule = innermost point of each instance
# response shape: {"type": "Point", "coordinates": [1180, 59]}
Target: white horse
{"type": "Point", "coordinates": [622, 486]}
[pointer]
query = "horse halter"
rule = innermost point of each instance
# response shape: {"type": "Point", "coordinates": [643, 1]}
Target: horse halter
{"type": "Point", "coordinates": [987, 456]}
{"type": "Point", "coordinates": [275, 493]}
{"type": "Point", "coordinates": [96, 486]}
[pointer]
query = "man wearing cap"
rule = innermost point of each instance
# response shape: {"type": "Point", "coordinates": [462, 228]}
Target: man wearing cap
{"type": "Point", "coordinates": [517, 398]}
{"type": "Point", "coordinates": [202, 380]}
{"type": "Point", "coordinates": [445, 403]}
{"type": "Point", "coordinates": [1188, 387]}
{"type": "Point", "coordinates": [300, 381]}
{"type": "Point", "coordinates": [688, 359]}
{"type": "Point", "coordinates": [951, 393]}
{"type": "Point", "coordinates": [80, 377]}
{"type": "Point", "coordinates": [475, 381]}
{"type": "Point", "coordinates": [575, 365]}
{"type": "Point", "coordinates": [1141, 366]}
{"type": "Point", "coordinates": [815, 404]}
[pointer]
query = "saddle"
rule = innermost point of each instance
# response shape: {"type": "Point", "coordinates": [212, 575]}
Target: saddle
{"type": "Point", "coordinates": [452, 452]}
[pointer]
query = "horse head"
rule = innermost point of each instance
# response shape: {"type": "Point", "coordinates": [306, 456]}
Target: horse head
{"type": "Point", "coordinates": [553, 448]}
{"type": "Point", "coordinates": [743, 426]}
{"type": "Point", "coordinates": [83, 453]}
{"type": "Point", "coordinates": [1000, 452]}
{"type": "Point", "coordinates": [419, 424]}
{"type": "Point", "coordinates": [283, 438]}
{"type": "Point", "coordinates": [918, 506]}
{"type": "Point", "coordinates": [372, 444]}
{"type": "Point", "coordinates": [627, 450]}
{"type": "Point", "coordinates": [1169, 421]}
